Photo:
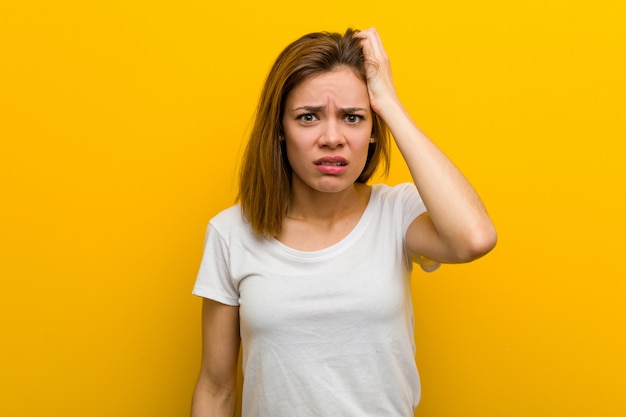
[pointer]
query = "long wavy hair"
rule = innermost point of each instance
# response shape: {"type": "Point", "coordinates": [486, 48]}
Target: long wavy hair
{"type": "Point", "coordinates": [265, 176]}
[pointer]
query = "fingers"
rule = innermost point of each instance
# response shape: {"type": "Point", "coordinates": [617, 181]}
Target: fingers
{"type": "Point", "coordinates": [372, 45]}
{"type": "Point", "coordinates": [377, 69]}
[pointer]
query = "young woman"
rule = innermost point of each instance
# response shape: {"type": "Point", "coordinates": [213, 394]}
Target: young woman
{"type": "Point", "coordinates": [310, 272]}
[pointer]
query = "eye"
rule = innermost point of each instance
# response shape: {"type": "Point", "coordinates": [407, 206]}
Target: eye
{"type": "Point", "coordinates": [307, 117]}
{"type": "Point", "coordinates": [353, 118]}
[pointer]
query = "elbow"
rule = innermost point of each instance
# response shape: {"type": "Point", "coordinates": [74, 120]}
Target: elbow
{"type": "Point", "coordinates": [478, 242]}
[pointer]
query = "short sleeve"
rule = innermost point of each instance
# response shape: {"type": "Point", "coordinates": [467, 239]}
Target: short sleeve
{"type": "Point", "coordinates": [214, 277]}
{"type": "Point", "coordinates": [413, 207]}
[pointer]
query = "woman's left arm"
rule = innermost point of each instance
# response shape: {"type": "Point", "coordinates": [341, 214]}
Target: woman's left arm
{"type": "Point", "coordinates": [456, 228]}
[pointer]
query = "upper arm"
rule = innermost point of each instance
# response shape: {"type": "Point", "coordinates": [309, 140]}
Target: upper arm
{"type": "Point", "coordinates": [216, 389]}
{"type": "Point", "coordinates": [423, 239]}
{"type": "Point", "coordinates": [220, 344]}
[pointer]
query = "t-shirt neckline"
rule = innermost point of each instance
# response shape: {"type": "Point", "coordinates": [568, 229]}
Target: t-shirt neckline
{"type": "Point", "coordinates": [335, 248]}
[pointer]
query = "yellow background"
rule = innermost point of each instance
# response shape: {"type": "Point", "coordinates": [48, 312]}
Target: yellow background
{"type": "Point", "coordinates": [121, 127]}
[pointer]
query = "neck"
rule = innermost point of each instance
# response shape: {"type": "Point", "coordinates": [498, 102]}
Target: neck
{"type": "Point", "coordinates": [314, 206]}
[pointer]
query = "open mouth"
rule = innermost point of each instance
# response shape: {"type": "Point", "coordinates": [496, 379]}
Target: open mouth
{"type": "Point", "coordinates": [335, 164]}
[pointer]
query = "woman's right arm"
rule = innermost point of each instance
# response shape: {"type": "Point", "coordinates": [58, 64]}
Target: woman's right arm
{"type": "Point", "coordinates": [216, 389]}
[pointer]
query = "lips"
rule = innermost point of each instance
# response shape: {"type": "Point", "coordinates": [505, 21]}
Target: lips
{"type": "Point", "coordinates": [331, 165]}
{"type": "Point", "coordinates": [336, 161]}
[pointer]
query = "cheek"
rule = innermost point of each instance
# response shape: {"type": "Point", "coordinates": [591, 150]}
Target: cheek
{"type": "Point", "coordinates": [364, 152]}
{"type": "Point", "coordinates": [293, 151]}
{"type": "Point", "coordinates": [364, 140]}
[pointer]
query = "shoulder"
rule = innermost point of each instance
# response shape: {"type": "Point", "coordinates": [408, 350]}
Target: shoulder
{"type": "Point", "coordinates": [231, 225]}
{"type": "Point", "coordinates": [401, 191]}
{"type": "Point", "coordinates": [401, 201]}
{"type": "Point", "coordinates": [229, 217]}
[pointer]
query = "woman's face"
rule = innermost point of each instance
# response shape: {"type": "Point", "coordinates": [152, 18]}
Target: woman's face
{"type": "Point", "coordinates": [327, 126]}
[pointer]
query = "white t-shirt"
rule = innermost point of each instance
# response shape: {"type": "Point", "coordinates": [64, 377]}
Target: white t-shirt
{"type": "Point", "coordinates": [327, 332]}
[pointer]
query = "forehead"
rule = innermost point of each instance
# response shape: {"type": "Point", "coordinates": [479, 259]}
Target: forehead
{"type": "Point", "coordinates": [340, 84]}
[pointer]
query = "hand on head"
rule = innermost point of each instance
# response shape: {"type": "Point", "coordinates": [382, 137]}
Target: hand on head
{"type": "Point", "coordinates": [378, 69]}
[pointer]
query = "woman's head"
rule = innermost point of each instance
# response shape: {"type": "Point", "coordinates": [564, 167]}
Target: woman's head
{"type": "Point", "coordinates": [266, 173]}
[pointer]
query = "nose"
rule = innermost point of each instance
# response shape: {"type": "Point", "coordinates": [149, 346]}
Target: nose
{"type": "Point", "coordinates": [332, 136]}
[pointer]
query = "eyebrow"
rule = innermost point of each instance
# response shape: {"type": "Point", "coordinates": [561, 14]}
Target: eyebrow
{"type": "Point", "coordinates": [315, 109]}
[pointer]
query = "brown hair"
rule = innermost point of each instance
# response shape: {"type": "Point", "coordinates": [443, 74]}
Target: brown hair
{"type": "Point", "coordinates": [265, 176]}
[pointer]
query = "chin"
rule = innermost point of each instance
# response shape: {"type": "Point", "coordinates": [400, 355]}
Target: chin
{"type": "Point", "coordinates": [335, 187]}
{"type": "Point", "coordinates": [325, 183]}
